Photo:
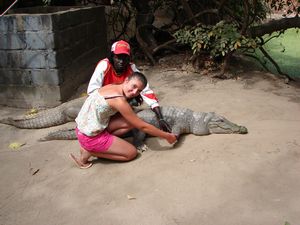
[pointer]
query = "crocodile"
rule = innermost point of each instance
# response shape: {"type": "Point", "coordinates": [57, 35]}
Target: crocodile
{"type": "Point", "coordinates": [181, 121]}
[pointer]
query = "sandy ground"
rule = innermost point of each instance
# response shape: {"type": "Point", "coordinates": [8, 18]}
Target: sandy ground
{"type": "Point", "coordinates": [251, 179]}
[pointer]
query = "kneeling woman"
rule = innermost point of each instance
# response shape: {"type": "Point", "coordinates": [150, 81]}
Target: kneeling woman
{"type": "Point", "coordinates": [105, 115]}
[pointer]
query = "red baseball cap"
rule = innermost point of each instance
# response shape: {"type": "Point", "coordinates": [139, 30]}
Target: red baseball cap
{"type": "Point", "coordinates": [120, 47]}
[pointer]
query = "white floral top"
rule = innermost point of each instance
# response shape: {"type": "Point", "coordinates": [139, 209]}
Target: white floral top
{"type": "Point", "coordinates": [94, 115]}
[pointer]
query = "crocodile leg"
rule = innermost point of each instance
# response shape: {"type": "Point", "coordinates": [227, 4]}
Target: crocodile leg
{"type": "Point", "coordinates": [138, 140]}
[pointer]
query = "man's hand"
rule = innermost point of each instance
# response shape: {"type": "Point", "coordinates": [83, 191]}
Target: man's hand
{"type": "Point", "coordinates": [162, 123]}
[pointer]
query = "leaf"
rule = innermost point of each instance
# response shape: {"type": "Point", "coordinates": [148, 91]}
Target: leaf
{"type": "Point", "coordinates": [130, 197]}
{"type": "Point", "coordinates": [83, 94]}
{"type": "Point", "coordinates": [15, 145]}
{"type": "Point", "coordinates": [32, 112]}
{"type": "Point", "coordinates": [237, 44]}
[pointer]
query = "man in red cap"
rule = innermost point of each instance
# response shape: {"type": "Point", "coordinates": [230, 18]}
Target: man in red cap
{"type": "Point", "coordinates": [114, 70]}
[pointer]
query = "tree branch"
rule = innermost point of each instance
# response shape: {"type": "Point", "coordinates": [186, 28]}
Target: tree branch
{"type": "Point", "coordinates": [274, 63]}
{"type": "Point", "coordinates": [274, 25]}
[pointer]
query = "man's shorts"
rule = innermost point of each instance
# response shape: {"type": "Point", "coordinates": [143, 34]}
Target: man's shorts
{"type": "Point", "coordinates": [99, 143]}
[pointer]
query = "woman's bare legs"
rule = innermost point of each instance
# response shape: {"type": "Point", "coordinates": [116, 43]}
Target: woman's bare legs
{"type": "Point", "coordinates": [120, 150]}
{"type": "Point", "coordinates": [118, 125]}
{"type": "Point", "coordinates": [82, 162]}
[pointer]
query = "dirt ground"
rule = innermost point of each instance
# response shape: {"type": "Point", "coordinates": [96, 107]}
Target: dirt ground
{"type": "Point", "coordinates": [218, 179]}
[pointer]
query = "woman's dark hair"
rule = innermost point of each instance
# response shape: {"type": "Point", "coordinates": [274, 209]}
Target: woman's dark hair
{"type": "Point", "coordinates": [139, 76]}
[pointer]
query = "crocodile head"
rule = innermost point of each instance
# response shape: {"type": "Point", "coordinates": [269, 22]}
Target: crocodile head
{"type": "Point", "coordinates": [220, 125]}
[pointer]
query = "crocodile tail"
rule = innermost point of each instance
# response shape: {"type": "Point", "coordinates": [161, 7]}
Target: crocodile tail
{"type": "Point", "coordinates": [63, 134]}
{"type": "Point", "coordinates": [8, 121]}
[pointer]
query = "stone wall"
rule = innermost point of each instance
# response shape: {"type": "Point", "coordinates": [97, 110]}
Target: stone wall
{"type": "Point", "coordinates": [47, 52]}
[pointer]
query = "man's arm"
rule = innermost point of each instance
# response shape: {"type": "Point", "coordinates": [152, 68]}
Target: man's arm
{"type": "Point", "coordinates": [150, 98]}
{"type": "Point", "coordinates": [96, 80]}
{"type": "Point", "coordinates": [162, 122]}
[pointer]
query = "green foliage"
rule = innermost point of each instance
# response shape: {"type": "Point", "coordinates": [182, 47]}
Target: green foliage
{"type": "Point", "coordinates": [218, 40]}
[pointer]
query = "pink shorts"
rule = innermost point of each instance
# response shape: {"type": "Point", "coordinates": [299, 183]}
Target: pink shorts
{"type": "Point", "coordinates": [98, 143]}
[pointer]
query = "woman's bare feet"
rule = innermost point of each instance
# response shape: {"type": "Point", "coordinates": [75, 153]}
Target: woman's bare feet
{"type": "Point", "coordinates": [81, 164]}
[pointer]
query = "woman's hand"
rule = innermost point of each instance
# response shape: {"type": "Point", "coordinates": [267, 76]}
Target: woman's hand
{"type": "Point", "coordinates": [171, 138]}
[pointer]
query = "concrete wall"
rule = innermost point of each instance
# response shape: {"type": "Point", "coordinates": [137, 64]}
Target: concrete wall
{"type": "Point", "coordinates": [47, 52]}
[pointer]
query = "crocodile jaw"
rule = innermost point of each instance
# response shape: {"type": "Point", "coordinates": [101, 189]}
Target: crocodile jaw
{"type": "Point", "coordinates": [220, 125]}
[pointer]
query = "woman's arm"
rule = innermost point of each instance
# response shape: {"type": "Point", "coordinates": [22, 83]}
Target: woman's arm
{"type": "Point", "coordinates": [126, 111]}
